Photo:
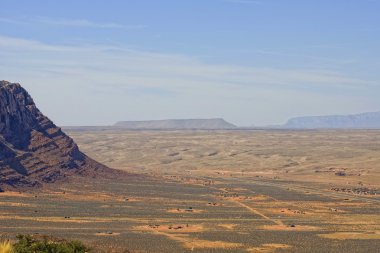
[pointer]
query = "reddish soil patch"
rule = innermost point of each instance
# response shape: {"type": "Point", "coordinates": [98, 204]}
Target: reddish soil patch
{"type": "Point", "coordinates": [181, 228]}
{"type": "Point", "coordinates": [269, 247]}
{"type": "Point", "coordinates": [178, 210]}
{"type": "Point", "coordinates": [107, 234]}
{"type": "Point", "coordinates": [228, 226]}
{"type": "Point", "coordinates": [289, 228]}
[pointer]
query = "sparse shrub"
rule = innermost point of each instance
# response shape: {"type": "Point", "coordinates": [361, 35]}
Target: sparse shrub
{"type": "Point", "coordinates": [28, 244]}
{"type": "Point", "coordinates": [6, 247]}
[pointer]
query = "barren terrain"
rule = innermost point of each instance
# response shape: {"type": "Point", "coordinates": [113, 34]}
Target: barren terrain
{"type": "Point", "coordinates": [215, 191]}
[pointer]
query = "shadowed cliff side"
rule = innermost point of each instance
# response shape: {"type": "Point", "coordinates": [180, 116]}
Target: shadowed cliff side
{"type": "Point", "coordinates": [33, 150]}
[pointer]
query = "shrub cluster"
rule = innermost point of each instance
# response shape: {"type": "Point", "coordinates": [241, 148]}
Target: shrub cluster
{"type": "Point", "coordinates": [29, 244]}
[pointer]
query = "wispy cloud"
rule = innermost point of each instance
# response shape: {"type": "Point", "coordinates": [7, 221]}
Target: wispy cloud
{"type": "Point", "coordinates": [306, 56]}
{"type": "Point", "coordinates": [121, 81]}
{"type": "Point", "coordinates": [76, 23]}
{"type": "Point", "coordinates": [12, 21]}
{"type": "Point", "coordinates": [79, 23]}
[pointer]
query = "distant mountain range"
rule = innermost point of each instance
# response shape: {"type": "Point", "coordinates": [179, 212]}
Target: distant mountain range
{"type": "Point", "coordinates": [369, 120]}
{"type": "Point", "coordinates": [204, 124]}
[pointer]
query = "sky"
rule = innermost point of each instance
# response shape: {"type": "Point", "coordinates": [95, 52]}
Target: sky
{"type": "Point", "coordinates": [251, 62]}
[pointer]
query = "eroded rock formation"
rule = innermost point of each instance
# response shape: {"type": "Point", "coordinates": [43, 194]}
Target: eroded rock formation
{"type": "Point", "coordinates": [33, 150]}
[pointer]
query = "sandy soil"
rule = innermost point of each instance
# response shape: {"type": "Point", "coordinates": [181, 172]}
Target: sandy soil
{"type": "Point", "coordinates": [352, 236]}
{"type": "Point", "coordinates": [291, 155]}
{"type": "Point", "coordinates": [245, 197]}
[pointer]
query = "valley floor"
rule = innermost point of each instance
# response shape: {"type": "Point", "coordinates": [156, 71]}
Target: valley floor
{"type": "Point", "coordinates": [214, 192]}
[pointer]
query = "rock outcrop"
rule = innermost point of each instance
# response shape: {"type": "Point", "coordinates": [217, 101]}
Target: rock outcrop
{"type": "Point", "coordinates": [33, 150]}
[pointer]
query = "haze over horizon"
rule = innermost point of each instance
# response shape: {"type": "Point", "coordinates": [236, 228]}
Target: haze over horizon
{"type": "Point", "coordinates": [251, 62]}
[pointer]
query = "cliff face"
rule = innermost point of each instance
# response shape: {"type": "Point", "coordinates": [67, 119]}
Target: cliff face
{"type": "Point", "coordinates": [33, 150]}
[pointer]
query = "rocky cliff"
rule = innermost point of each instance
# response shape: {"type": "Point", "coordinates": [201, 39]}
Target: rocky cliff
{"type": "Point", "coordinates": [33, 150]}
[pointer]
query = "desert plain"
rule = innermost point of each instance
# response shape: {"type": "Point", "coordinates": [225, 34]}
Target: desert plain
{"type": "Point", "coordinates": [214, 191]}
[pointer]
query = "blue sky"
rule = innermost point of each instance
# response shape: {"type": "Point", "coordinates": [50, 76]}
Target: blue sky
{"type": "Point", "coordinates": [252, 62]}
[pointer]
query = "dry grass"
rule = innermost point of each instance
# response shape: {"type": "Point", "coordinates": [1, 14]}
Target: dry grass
{"type": "Point", "coordinates": [176, 228]}
{"type": "Point", "coordinates": [352, 236]}
{"type": "Point", "coordinates": [179, 210]}
{"type": "Point", "coordinates": [269, 247]}
{"type": "Point", "coordinates": [15, 194]}
{"type": "Point", "coordinates": [16, 204]}
{"type": "Point", "coordinates": [228, 226]}
{"type": "Point", "coordinates": [288, 228]}
{"type": "Point", "coordinates": [203, 244]}
{"type": "Point", "coordinates": [6, 247]}
{"type": "Point", "coordinates": [107, 234]}
{"type": "Point", "coordinates": [180, 233]}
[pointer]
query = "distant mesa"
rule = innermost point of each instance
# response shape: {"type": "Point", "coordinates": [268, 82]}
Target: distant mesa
{"type": "Point", "coordinates": [200, 124]}
{"type": "Point", "coordinates": [33, 150]}
{"type": "Point", "coordinates": [369, 120]}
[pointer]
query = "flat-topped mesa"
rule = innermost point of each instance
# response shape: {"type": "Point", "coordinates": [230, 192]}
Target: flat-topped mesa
{"type": "Point", "coordinates": [33, 150]}
{"type": "Point", "coordinates": [368, 120]}
{"type": "Point", "coordinates": [206, 124]}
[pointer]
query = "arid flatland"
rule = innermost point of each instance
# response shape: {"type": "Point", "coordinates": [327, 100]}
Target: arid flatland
{"type": "Point", "coordinates": [313, 156]}
{"type": "Point", "coordinates": [215, 191]}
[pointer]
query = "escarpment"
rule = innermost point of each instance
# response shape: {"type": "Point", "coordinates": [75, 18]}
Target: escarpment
{"type": "Point", "coordinates": [33, 150]}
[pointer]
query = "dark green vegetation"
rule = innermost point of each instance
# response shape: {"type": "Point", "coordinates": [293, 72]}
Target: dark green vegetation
{"type": "Point", "coordinates": [29, 244]}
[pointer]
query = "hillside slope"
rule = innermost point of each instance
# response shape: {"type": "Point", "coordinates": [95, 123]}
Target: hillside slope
{"type": "Point", "coordinates": [33, 150]}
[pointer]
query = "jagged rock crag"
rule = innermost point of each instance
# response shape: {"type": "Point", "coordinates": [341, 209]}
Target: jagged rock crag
{"type": "Point", "coordinates": [33, 150]}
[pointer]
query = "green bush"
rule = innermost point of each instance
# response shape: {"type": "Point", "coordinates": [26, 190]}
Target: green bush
{"type": "Point", "coordinates": [28, 244]}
